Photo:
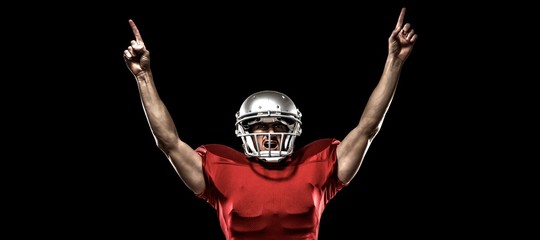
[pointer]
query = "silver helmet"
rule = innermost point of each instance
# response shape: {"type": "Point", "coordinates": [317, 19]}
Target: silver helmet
{"type": "Point", "coordinates": [268, 106]}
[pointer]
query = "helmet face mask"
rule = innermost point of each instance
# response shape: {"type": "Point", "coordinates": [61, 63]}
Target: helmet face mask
{"type": "Point", "coordinates": [266, 107]}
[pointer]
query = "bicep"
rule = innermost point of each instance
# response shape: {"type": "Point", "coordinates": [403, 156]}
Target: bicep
{"type": "Point", "coordinates": [350, 154]}
{"type": "Point", "coordinates": [188, 164]}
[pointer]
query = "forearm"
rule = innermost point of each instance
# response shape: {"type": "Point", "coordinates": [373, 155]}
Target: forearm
{"type": "Point", "coordinates": [353, 147]}
{"type": "Point", "coordinates": [381, 97]}
{"type": "Point", "coordinates": [157, 114]}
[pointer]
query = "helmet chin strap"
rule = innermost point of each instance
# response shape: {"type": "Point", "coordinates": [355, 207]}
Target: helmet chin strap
{"type": "Point", "coordinates": [252, 150]}
{"type": "Point", "coordinates": [271, 156]}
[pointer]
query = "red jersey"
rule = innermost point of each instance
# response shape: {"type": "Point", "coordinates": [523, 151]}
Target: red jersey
{"type": "Point", "coordinates": [258, 200]}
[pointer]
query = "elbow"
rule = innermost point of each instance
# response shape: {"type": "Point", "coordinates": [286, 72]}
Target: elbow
{"type": "Point", "coordinates": [165, 145]}
{"type": "Point", "coordinates": [373, 133]}
{"type": "Point", "coordinates": [369, 131]}
{"type": "Point", "coordinates": [372, 128]}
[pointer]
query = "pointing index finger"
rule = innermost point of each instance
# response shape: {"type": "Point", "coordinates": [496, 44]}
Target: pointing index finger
{"type": "Point", "coordinates": [400, 19]}
{"type": "Point", "coordinates": [135, 30]}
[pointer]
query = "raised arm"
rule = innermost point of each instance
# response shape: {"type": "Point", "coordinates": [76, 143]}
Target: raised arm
{"type": "Point", "coordinates": [184, 159]}
{"type": "Point", "coordinates": [354, 146]}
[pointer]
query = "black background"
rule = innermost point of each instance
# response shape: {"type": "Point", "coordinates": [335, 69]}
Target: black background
{"type": "Point", "coordinates": [89, 166]}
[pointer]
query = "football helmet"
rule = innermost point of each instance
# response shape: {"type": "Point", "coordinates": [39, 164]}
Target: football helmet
{"type": "Point", "coordinates": [265, 107]}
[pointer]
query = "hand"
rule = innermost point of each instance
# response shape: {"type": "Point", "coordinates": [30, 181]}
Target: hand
{"type": "Point", "coordinates": [402, 39]}
{"type": "Point", "coordinates": [137, 57]}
